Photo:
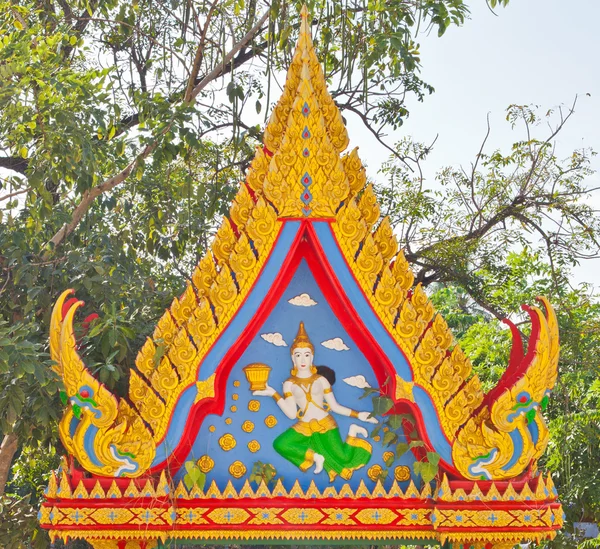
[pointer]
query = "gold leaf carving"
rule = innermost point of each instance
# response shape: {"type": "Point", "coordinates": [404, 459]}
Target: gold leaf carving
{"type": "Point", "coordinates": [402, 272]}
{"type": "Point", "coordinates": [183, 355]}
{"type": "Point", "coordinates": [223, 293]}
{"type": "Point", "coordinates": [243, 262]}
{"type": "Point", "coordinates": [145, 358]}
{"type": "Point", "coordinates": [241, 207]}
{"type": "Point", "coordinates": [182, 308]}
{"type": "Point", "coordinates": [165, 329]}
{"type": "Point", "coordinates": [224, 241]}
{"type": "Point", "coordinates": [385, 240]}
{"type": "Point", "coordinates": [204, 274]}
{"type": "Point", "coordinates": [369, 263]}
{"type": "Point", "coordinates": [350, 228]}
{"type": "Point", "coordinates": [422, 304]}
{"type": "Point", "coordinates": [355, 172]}
{"type": "Point", "coordinates": [202, 326]}
{"type": "Point", "coordinates": [389, 294]}
{"type": "Point", "coordinates": [261, 227]}
{"type": "Point", "coordinates": [258, 169]}
{"type": "Point", "coordinates": [368, 206]}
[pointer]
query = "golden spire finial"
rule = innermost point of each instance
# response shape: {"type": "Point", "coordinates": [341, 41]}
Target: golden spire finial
{"type": "Point", "coordinates": [302, 340]}
{"type": "Point", "coordinates": [305, 136]}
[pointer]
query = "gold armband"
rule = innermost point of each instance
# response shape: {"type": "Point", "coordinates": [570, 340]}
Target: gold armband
{"type": "Point", "coordinates": [354, 414]}
{"type": "Point", "coordinates": [327, 391]}
{"type": "Point", "coordinates": [276, 396]}
{"type": "Point", "coordinates": [287, 394]}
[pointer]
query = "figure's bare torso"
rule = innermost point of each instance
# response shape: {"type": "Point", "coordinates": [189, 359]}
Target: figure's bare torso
{"type": "Point", "coordinates": [309, 395]}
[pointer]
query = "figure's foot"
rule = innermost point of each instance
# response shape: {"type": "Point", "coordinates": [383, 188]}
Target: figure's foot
{"type": "Point", "coordinates": [319, 462]}
{"type": "Point", "coordinates": [355, 430]}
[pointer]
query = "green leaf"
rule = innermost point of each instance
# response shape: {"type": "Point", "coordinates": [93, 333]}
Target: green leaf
{"type": "Point", "coordinates": [428, 471]}
{"type": "Point", "coordinates": [389, 438]}
{"type": "Point", "coordinates": [381, 405]}
{"type": "Point", "coordinates": [433, 458]}
{"type": "Point", "coordinates": [395, 421]}
{"type": "Point", "coordinates": [401, 449]}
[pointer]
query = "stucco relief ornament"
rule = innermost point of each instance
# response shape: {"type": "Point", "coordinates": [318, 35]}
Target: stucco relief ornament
{"type": "Point", "coordinates": [308, 397]}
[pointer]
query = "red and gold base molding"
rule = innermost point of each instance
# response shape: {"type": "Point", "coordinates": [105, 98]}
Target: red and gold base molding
{"type": "Point", "coordinates": [110, 512]}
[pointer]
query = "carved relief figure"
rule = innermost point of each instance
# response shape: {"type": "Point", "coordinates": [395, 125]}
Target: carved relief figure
{"type": "Point", "coordinates": [315, 439]}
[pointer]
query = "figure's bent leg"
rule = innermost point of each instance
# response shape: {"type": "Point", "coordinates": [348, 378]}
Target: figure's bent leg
{"type": "Point", "coordinates": [295, 447]}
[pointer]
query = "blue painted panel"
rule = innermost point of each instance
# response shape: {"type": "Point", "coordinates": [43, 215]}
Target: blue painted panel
{"type": "Point", "coordinates": [321, 325]}
{"type": "Point", "coordinates": [434, 429]}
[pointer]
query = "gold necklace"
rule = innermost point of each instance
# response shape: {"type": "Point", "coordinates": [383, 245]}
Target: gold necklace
{"type": "Point", "coordinates": [305, 383]}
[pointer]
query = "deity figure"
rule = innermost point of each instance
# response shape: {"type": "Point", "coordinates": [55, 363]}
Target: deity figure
{"type": "Point", "coordinates": [315, 438]}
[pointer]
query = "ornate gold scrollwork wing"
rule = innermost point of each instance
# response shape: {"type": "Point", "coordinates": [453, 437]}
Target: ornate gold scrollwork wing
{"type": "Point", "coordinates": [103, 432]}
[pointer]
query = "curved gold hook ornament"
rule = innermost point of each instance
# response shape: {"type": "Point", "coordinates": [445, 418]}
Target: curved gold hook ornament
{"type": "Point", "coordinates": [104, 433]}
{"type": "Point", "coordinates": [508, 435]}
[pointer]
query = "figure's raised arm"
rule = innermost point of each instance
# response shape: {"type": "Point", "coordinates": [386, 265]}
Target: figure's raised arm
{"type": "Point", "coordinates": [343, 410]}
{"type": "Point", "coordinates": [286, 403]}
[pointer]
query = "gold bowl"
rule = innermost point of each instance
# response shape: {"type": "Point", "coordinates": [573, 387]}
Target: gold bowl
{"type": "Point", "coordinates": [257, 375]}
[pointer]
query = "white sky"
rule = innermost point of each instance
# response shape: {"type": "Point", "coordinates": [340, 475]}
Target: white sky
{"type": "Point", "coordinates": [543, 52]}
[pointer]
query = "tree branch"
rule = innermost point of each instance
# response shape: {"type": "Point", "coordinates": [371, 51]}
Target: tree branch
{"type": "Point", "coordinates": [14, 163]}
{"type": "Point", "coordinates": [90, 195]}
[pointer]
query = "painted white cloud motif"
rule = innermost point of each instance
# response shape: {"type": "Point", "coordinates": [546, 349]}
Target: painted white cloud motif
{"type": "Point", "coordinates": [336, 344]}
{"type": "Point", "coordinates": [302, 300]}
{"type": "Point", "coordinates": [275, 338]}
{"type": "Point", "coordinates": [357, 381]}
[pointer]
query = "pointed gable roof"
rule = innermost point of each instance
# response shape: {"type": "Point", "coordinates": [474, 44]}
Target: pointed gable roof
{"type": "Point", "coordinates": [302, 173]}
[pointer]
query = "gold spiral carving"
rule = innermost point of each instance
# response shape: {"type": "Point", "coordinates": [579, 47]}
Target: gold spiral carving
{"type": "Point", "coordinates": [224, 241]}
{"type": "Point", "coordinates": [422, 304]}
{"type": "Point", "coordinates": [388, 293]}
{"type": "Point", "coordinates": [258, 170]}
{"type": "Point", "coordinates": [204, 274]}
{"type": "Point", "coordinates": [409, 326]}
{"type": "Point", "coordinates": [202, 326]}
{"type": "Point", "coordinates": [242, 207]}
{"type": "Point", "coordinates": [385, 240]}
{"type": "Point", "coordinates": [355, 171]}
{"type": "Point", "coordinates": [182, 308]}
{"type": "Point", "coordinates": [144, 360]}
{"type": "Point", "coordinates": [164, 379]}
{"type": "Point", "coordinates": [223, 293]}
{"type": "Point", "coordinates": [441, 333]}
{"type": "Point", "coordinates": [368, 206]}
{"type": "Point", "coordinates": [165, 329]}
{"type": "Point", "coordinates": [428, 355]}
{"type": "Point", "coordinates": [183, 355]}
{"type": "Point", "coordinates": [261, 226]}
{"type": "Point", "coordinates": [243, 261]}
{"type": "Point", "coordinates": [350, 227]}
{"type": "Point", "coordinates": [402, 272]}
{"type": "Point", "coordinates": [369, 262]}
{"type": "Point", "coordinates": [151, 407]}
